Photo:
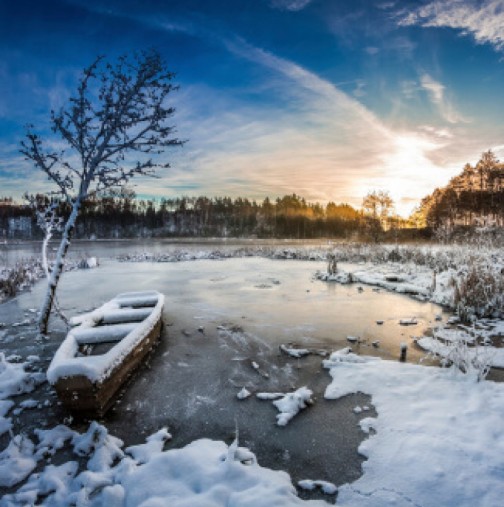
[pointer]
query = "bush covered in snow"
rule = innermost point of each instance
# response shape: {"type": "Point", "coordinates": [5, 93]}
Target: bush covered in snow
{"type": "Point", "coordinates": [479, 290]}
{"type": "Point", "coordinates": [473, 274]}
{"type": "Point", "coordinates": [21, 275]}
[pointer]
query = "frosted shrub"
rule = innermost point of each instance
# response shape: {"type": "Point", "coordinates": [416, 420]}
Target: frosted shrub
{"type": "Point", "coordinates": [477, 271]}
{"type": "Point", "coordinates": [21, 275]}
{"type": "Point", "coordinates": [479, 292]}
{"type": "Point", "coordinates": [464, 356]}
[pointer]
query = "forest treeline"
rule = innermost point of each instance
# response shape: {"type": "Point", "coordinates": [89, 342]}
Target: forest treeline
{"type": "Point", "coordinates": [475, 197]}
{"type": "Point", "coordinates": [121, 214]}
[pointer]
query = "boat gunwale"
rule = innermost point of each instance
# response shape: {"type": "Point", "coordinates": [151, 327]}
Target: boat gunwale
{"type": "Point", "coordinates": [98, 368]}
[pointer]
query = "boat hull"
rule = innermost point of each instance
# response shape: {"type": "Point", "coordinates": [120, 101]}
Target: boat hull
{"type": "Point", "coordinates": [86, 398]}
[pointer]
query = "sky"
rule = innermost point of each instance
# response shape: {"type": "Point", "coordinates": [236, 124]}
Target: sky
{"type": "Point", "coordinates": [328, 99]}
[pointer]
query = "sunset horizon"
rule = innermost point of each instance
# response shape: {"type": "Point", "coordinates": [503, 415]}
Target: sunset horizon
{"type": "Point", "coordinates": [326, 101]}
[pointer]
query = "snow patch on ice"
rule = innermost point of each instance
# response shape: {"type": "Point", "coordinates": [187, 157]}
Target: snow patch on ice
{"type": "Point", "coordinates": [437, 433]}
{"type": "Point", "coordinates": [327, 487]}
{"type": "Point", "coordinates": [244, 394]}
{"type": "Point", "coordinates": [290, 404]}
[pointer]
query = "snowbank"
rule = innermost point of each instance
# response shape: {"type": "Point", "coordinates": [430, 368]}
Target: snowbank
{"type": "Point", "coordinates": [493, 356]}
{"type": "Point", "coordinates": [14, 380]}
{"type": "Point", "coordinates": [436, 440]}
{"type": "Point", "coordinates": [205, 473]}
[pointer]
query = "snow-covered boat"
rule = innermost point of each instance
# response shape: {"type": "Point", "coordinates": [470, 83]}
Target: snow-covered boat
{"type": "Point", "coordinates": [103, 348]}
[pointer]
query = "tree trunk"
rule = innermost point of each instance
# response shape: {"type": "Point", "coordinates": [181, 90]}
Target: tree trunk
{"type": "Point", "coordinates": [57, 269]}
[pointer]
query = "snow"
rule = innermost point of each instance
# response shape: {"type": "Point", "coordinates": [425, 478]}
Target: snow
{"type": "Point", "coordinates": [14, 380]}
{"type": "Point", "coordinates": [436, 439]}
{"type": "Point", "coordinates": [112, 333]}
{"type": "Point", "coordinates": [269, 396]}
{"type": "Point", "coordinates": [98, 368]}
{"type": "Point", "coordinates": [5, 422]}
{"type": "Point", "coordinates": [476, 342]}
{"type": "Point", "coordinates": [494, 356]}
{"type": "Point", "coordinates": [53, 439]}
{"type": "Point", "coordinates": [16, 461]}
{"type": "Point", "coordinates": [203, 473]}
{"type": "Point", "coordinates": [404, 278]}
{"type": "Point", "coordinates": [244, 394]}
{"type": "Point", "coordinates": [290, 404]}
{"type": "Point", "coordinates": [53, 482]}
{"type": "Point", "coordinates": [89, 263]}
{"type": "Point", "coordinates": [294, 352]}
{"type": "Point", "coordinates": [327, 487]}
{"type": "Point", "coordinates": [344, 356]}
{"type": "Point", "coordinates": [103, 448]}
{"type": "Point", "coordinates": [141, 453]}
{"type": "Point", "coordinates": [200, 474]}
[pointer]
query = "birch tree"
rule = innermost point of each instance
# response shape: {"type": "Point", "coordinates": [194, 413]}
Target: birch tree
{"type": "Point", "coordinates": [114, 128]}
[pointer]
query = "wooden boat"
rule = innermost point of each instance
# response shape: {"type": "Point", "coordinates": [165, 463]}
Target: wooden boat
{"type": "Point", "coordinates": [103, 348]}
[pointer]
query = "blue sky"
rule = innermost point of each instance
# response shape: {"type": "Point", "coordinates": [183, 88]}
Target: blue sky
{"type": "Point", "coordinates": [329, 99]}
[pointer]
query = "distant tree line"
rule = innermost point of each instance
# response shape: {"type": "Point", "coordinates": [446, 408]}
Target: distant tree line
{"type": "Point", "coordinates": [121, 214]}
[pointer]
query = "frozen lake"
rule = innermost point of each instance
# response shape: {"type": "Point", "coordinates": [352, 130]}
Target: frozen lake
{"type": "Point", "coordinates": [221, 315]}
{"type": "Point", "coordinates": [12, 252]}
{"type": "Point", "coordinates": [279, 301]}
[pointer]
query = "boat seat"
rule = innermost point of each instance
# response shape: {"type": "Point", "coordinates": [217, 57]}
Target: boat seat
{"type": "Point", "coordinates": [100, 334]}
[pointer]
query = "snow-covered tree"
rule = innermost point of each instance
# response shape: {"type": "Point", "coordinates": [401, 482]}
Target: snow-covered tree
{"type": "Point", "coordinates": [111, 128]}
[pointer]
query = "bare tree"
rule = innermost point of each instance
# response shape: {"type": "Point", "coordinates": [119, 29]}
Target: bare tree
{"type": "Point", "coordinates": [50, 221]}
{"type": "Point", "coordinates": [377, 206]}
{"type": "Point", "coordinates": [111, 128]}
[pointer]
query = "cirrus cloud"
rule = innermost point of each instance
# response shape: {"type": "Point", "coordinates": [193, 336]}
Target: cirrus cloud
{"type": "Point", "coordinates": [290, 5]}
{"type": "Point", "coordinates": [484, 21]}
{"type": "Point", "coordinates": [436, 91]}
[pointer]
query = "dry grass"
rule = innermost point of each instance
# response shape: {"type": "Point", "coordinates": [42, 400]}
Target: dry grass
{"type": "Point", "coordinates": [20, 276]}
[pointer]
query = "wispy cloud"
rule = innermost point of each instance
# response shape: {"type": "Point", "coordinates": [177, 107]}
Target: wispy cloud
{"type": "Point", "coordinates": [372, 50]}
{"type": "Point", "coordinates": [483, 20]}
{"type": "Point", "coordinates": [290, 5]}
{"type": "Point", "coordinates": [315, 140]}
{"type": "Point", "coordinates": [293, 131]}
{"type": "Point", "coordinates": [436, 91]}
{"type": "Point", "coordinates": [308, 137]}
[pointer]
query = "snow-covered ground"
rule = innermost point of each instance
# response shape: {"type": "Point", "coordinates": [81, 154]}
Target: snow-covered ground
{"type": "Point", "coordinates": [435, 441]}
